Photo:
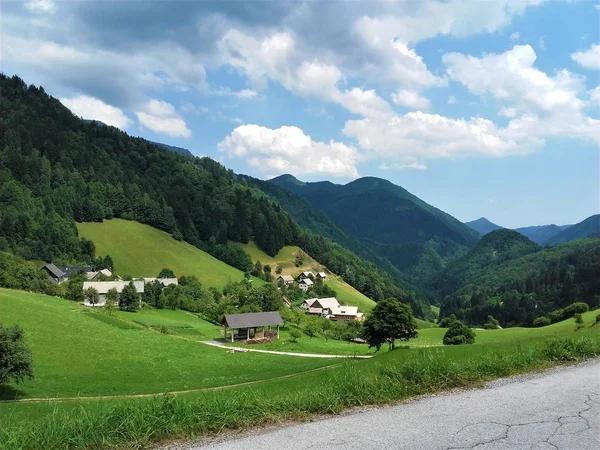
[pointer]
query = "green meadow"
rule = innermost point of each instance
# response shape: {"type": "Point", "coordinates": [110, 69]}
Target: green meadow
{"type": "Point", "coordinates": [142, 251]}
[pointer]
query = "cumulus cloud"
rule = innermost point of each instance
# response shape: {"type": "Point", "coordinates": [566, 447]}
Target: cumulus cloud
{"type": "Point", "coordinates": [94, 109]}
{"type": "Point", "coordinates": [289, 150]}
{"type": "Point", "coordinates": [590, 59]}
{"type": "Point", "coordinates": [161, 117]}
{"type": "Point", "coordinates": [508, 112]}
{"type": "Point", "coordinates": [395, 166]}
{"type": "Point", "coordinates": [595, 95]}
{"type": "Point", "coordinates": [40, 5]}
{"type": "Point", "coordinates": [410, 99]}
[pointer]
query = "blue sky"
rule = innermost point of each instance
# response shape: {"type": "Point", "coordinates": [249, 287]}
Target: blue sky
{"type": "Point", "coordinates": [482, 108]}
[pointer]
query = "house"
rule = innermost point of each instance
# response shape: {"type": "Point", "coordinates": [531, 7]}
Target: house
{"type": "Point", "coordinates": [91, 276]}
{"type": "Point", "coordinates": [104, 286]}
{"type": "Point", "coordinates": [305, 284]}
{"type": "Point", "coordinates": [55, 275]}
{"type": "Point", "coordinates": [74, 270]}
{"type": "Point", "coordinates": [306, 276]}
{"type": "Point", "coordinates": [322, 275]}
{"type": "Point", "coordinates": [164, 281]}
{"type": "Point", "coordinates": [345, 314]}
{"type": "Point", "coordinates": [320, 306]}
{"type": "Point", "coordinates": [244, 325]}
{"type": "Point", "coordinates": [287, 279]}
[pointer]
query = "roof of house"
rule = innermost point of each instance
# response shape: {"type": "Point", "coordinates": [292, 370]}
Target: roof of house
{"type": "Point", "coordinates": [106, 272]}
{"type": "Point", "coordinates": [286, 277]}
{"type": "Point", "coordinates": [164, 281]}
{"type": "Point", "coordinates": [251, 320]}
{"type": "Point", "coordinates": [307, 281]}
{"type": "Point", "coordinates": [69, 270]}
{"type": "Point", "coordinates": [322, 274]}
{"type": "Point", "coordinates": [104, 286]}
{"type": "Point", "coordinates": [328, 302]}
{"type": "Point", "coordinates": [54, 270]}
{"type": "Point", "coordinates": [310, 301]}
{"type": "Point", "coordinates": [345, 311]}
{"type": "Point", "coordinates": [307, 274]}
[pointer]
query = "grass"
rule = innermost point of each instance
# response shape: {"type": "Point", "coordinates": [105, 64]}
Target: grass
{"type": "Point", "coordinates": [285, 256]}
{"type": "Point", "coordinates": [142, 251]}
{"type": "Point", "coordinates": [393, 376]}
{"type": "Point", "coordinates": [76, 354]}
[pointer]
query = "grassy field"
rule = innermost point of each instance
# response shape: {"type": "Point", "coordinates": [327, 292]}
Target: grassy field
{"type": "Point", "coordinates": [78, 352]}
{"type": "Point", "coordinates": [285, 257]}
{"type": "Point", "coordinates": [142, 251]}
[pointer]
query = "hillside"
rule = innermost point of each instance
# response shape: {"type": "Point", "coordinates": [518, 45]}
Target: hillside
{"type": "Point", "coordinates": [540, 234]}
{"type": "Point", "coordinates": [142, 251]}
{"type": "Point", "coordinates": [483, 225]}
{"type": "Point", "coordinates": [588, 228]}
{"type": "Point", "coordinates": [519, 281]}
{"type": "Point", "coordinates": [413, 235]}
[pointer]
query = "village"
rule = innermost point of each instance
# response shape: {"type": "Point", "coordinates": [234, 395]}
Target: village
{"type": "Point", "coordinates": [102, 285]}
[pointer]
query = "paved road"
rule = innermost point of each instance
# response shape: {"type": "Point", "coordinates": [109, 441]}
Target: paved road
{"type": "Point", "coordinates": [556, 410]}
{"type": "Point", "coordinates": [273, 352]}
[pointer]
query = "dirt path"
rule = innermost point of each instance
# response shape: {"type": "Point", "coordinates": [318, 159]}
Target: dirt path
{"type": "Point", "coordinates": [273, 352]}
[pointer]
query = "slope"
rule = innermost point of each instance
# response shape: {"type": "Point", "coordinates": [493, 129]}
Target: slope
{"type": "Point", "coordinates": [414, 236]}
{"type": "Point", "coordinates": [540, 234]}
{"type": "Point", "coordinates": [142, 251]}
{"type": "Point", "coordinates": [483, 225]}
{"type": "Point", "coordinates": [587, 228]}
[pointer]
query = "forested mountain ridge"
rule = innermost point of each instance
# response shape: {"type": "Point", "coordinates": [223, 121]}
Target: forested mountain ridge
{"type": "Point", "coordinates": [587, 228]}
{"type": "Point", "coordinates": [483, 225]}
{"type": "Point", "coordinates": [56, 169]}
{"type": "Point", "coordinates": [414, 236]}
{"type": "Point", "coordinates": [514, 280]}
{"type": "Point", "coordinates": [542, 233]}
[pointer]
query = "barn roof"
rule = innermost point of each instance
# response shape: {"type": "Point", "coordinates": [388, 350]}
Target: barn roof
{"type": "Point", "coordinates": [54, 270]}
{"type": "Point", "coordinates": [251, 320]}
{"type": "Point", "coordinates": [286, 277]}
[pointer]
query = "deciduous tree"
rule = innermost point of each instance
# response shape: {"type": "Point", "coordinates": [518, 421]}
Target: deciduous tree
{"type": "Point", "coordinates": [15, 356]}
{"type": "Point", "coordinates": [389, 321]}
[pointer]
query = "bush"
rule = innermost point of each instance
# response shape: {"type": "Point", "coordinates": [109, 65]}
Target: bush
{"type": "Point", "coordinates": [15, 356]}
{"type": "Point", "coordinates": [578, 321]}
{"type": "Point", "coordinates": [541, 321]}
{"type": "Point", "coordinates": [569, 311]}
{"type": "Point", "coordinates": [295, 334]}
{"type": "Point", "coordinates": [458, 334]}
{"type": "Point", "coordinates": [597, 318]}
{"type": "Point", "coordinates": [491, 324]}
{"type": "Point", "coordinates": [447, 321]}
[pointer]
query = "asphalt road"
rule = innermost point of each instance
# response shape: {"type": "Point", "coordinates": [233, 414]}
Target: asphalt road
{"type": "Point", "coordinates": [559, 409]}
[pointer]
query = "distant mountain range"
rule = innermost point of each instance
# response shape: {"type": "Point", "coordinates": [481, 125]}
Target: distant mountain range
{"type": "Point", "coordinates": [414, 236]}
{"type": "Point", "coordinates": [546, 235]}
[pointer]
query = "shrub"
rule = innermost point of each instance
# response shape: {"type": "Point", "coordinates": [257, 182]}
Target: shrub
{"type": "Point", "coordinates": [491, 324]}
{"type": "Point", "coordinates": [447, 321]}
{"type": "Point", "coordinates": [597, 318]}
{"type": "Point", "coordinates": [458, 334]}
{"type": "Point", "coordinates": [541, 321]}
{"type": "Point", "coordinates": [15, 355]}
{"type": "Point", "coordinates": [578, 321]}
{"type": "Point", "coordinates": [569, 311]}
{"type": "Point", "coordinates": [295, 334]}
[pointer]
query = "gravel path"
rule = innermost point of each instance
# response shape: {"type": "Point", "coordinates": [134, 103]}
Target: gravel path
{"type": "Point", "coordinates": [554, 410]}
{"type": "Point", "coordinates": [273, 352]}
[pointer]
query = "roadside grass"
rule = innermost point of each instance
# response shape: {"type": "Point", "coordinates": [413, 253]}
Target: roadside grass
{"type": "Point", "coordinates": [76, 354]}
{"type": "Point", "coordinates": [392, 377]}
{"type": "Point", "coordinates": [142, 251]}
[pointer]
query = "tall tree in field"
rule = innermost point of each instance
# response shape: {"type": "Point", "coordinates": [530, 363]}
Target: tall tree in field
{"type": "Point", "coordinates": [15, 356]}
{"type": "Point", "coordinates": [92, 296]}
{"type": "Point", "coordinates": [389, 322]}
{"type": "Point", "coordinates": [129, 300]}
{"type": "Point", "coordinates": [166, 273]}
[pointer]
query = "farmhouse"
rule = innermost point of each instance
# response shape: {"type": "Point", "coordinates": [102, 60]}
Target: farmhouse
{"type": "Point", "coordinates": [59, 274]}
{"type": "Point", "coordinates": [305, 284]}
{"type": "Point", "coordinates": [164, 281]}
{"type": "Point", "coordinates": [243, 326]}
{"type": "Point", "coordinates": [322, 275]}
{"type": "Point", "coordinates": [91, 276]}
{"type": "Point", "coordinates": [104, 286]}
{"type": "Point", "coordinates": [287, 279]}
{"type": "Point", "coordinates": [329, 307]}
{"type": "Point", "coordinates": [306, 276]}
{"type": "Point", "coordinates": [346, 314]}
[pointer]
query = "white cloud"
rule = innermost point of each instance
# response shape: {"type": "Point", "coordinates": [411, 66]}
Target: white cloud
{"type": "Point", "coordinates": [514, 37]}
{"type": "Point", "coordinates": [94, 109]}
{"type": "Point", "coordinates": [289, 150]}
{"type": "Point", "coordinates": [589, 59]}
{"type": "Point", "coordinates": [40, 5]}
{"type": "Point", "coordinates": [410, 99]}
{"type": "Point", "coordinates": [190, 108]}
{"type": "Point", "coordinates": [511, 77]}
{"type": "Point", "coordinates": [595, 95]}
{"type": "Point", "coordinates": [508, 112]}
{"type": "Point", "coordinates": [452, 100]}
{"type": "Point", "coordinates": [364, 103]}
{"type": "Point", "coordinates": [161, 117]}
{"type": "Point", "coordinates": [415, 166]}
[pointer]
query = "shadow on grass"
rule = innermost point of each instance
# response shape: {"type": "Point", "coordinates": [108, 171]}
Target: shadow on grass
{"type": "Point", "coordinates": [10, 393]}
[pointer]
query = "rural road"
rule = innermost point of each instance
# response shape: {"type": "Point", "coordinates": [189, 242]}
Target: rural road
{"type": "Point", "coordinates": [558, 409]}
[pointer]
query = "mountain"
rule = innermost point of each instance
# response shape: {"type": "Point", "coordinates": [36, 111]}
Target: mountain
{"type": "Point", "coordinates": [542, 233]}
{"type": "Point", "coordinates": [515, 280]}
{"type": "Point", "coordinates": [589, 227]}
{"type": "Point", "coordinates": [414, 236]}
{"type": "Point", "coordinates": [56, 170]}
{"type": "Point", "coordinates": [172, 148]}
{"type": "Point", "coordinates": [482, 225]}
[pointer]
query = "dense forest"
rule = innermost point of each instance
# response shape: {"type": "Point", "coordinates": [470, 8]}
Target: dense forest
{"type": "Point", "coordinates": [56, 169]}
{"type": "Point", "coordinates": [514, 280]}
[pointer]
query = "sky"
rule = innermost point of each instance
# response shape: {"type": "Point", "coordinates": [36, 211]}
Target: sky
{"type": "Point", "coordinates": [481, 108]}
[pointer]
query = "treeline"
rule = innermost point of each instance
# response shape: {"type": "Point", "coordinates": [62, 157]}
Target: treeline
{"type": "Point", "coordinates": [57, 169]}
{"type": "Point", "coordinates": [518, 291]}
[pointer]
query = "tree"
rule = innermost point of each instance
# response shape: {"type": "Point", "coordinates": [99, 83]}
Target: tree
{"type": "Point", "coordinates": [541, 321]}
{"type": "Point", "coordinates": [458, 334]}
{"type": "Point", "coordinates": [166, 273]}
{"type": "Point", "coordinates": [110, 306]}
{"type": "Point", "coordinates": [267, 272]}
{"type": "Point", "coordinates": [311, 329]}
{"type": "Point", "coordinates": [279, 269]}
{"type": "Point", "coordinates": [129, 300]}
{"type": "Point", "coordinates": [257, 271]}
{"type": "Point", "coordinates": [15, 355]}
{"type": "Point", "coordinates": [389, 321]}
{"type": "Point", "coordinates": [447, 321]}
{"type": "Point", "coordinates": [91, 295]}
{"type": "Point", "coordinates": [578, 321]}
{"type": "Point", "coordinates": [74, 289]}
{"type": "Point", "coordinates": [491, 324]}
{"type": "Point", "coordinates": [295, 334]}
